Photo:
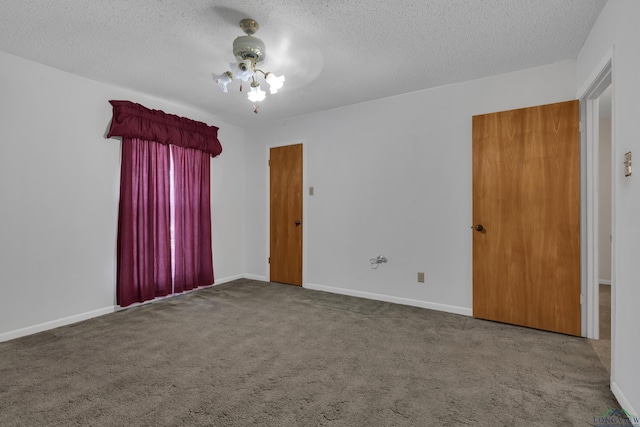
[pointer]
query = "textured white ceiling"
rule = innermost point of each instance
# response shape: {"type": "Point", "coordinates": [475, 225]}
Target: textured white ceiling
{"type": "Point", "coordinates": [332, 52]}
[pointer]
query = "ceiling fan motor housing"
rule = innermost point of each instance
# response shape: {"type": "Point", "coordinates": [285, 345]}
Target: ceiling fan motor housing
{"type": "Point", "coordinates": [249, 47]}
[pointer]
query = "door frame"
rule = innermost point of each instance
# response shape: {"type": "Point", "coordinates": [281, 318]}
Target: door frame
{"type": "Point", "coordinates": [304, 206]}
{"type": "Point", "coordinates": [599, 80]}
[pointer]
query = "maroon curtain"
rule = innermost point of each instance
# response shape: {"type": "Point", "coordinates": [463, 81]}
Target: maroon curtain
{"type": "Point", "coordinates": [192, 219]}
{"type": "Point", "coordinates": [144, 247]}
{"type": "Point", "coordinates": [144, 234]}
{"type": "Point", "coordinates": [131, 120]}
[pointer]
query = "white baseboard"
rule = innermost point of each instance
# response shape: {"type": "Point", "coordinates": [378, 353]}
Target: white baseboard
{"type": "Point", "coordinates": [255, 277]}
{"type": "Point", "coordinates": [625, 404]}
{"type": "Point", "coordinates": [228, 279]}
{"type": "Point", "coordinates": [6, 336]}
{"type": "Point", "coordinates": [604, 282]}
{"type": "Point", "coordinates": [397, 300]}
{"type": "Point", "coordinates": [41, 327]}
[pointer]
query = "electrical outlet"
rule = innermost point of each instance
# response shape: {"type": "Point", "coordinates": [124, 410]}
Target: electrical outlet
{"type": "Point", "coordinates": [420, 277]}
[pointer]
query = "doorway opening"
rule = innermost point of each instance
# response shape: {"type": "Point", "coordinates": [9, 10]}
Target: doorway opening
{"type": "Point", "coordinates": [598, 209]}
{"type": "Point", "coordinates": [603, 345]}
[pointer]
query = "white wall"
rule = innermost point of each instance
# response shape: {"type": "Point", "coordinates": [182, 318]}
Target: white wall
{"type": "Point", "coordinates": [617, 28]}
{"type": "Point", "coordinates": [604, 200]}
{"type": "Point", "coordinates": [392, 177]}
{"type": "Point", "coordinates": [59, 187]}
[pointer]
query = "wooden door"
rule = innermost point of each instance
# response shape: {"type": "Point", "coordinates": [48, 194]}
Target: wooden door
{"type": "Point", "coordinates": [286, 214]}
{"type": "Point", "coordinates": [526, 213]}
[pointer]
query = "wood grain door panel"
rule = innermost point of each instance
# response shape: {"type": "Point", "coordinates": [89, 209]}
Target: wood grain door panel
{"type": "Point", "coordinates": [526, 195]}
{"type": "Point", "coordinates": [286, 214]}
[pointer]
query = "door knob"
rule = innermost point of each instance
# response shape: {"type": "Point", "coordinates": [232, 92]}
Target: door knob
{"type": "Point", "coordinates": [479, 228]}
{"type": "Point", "coordinates": [298, 223]}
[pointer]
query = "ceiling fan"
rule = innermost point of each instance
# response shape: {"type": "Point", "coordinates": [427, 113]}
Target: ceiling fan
{"type": "Point", "coordinates": [249, 51]}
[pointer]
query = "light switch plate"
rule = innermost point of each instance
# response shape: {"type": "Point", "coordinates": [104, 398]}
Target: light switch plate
{"type": "Point", "coordinates": [311, 191]}
{"type": "Point", "coordinates": [627, 163]}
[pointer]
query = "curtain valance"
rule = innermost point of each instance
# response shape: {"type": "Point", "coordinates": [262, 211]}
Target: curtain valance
{"type": "Point", "coordinates": [131, 120]}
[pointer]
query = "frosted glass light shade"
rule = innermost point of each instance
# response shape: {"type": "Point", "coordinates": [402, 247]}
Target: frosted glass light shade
{"type": "Point", "coordinates": [256, 94]}
{"type": "Point", "coordinates": [223, 79]}
{"type": "Point", "coordinates": [275, 82]}
{"type": "Point", "coordinates": [242, 70]}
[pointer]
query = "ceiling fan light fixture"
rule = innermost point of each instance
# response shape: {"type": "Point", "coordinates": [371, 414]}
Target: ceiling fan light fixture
{"type": "Point", "coordinates": [223, 79]}
{"type": "Point", "coordinates": [249, 51]}
{"type": "Point", "coordinates": [274, 81]}
{"type": "Point", "coordinates": [256, 94]}
{"type": "Point", "coordinates": [243, 69]}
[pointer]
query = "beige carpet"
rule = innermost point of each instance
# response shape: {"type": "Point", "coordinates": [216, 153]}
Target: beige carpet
{"type": "Point", "coordinates": [250, 353]}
